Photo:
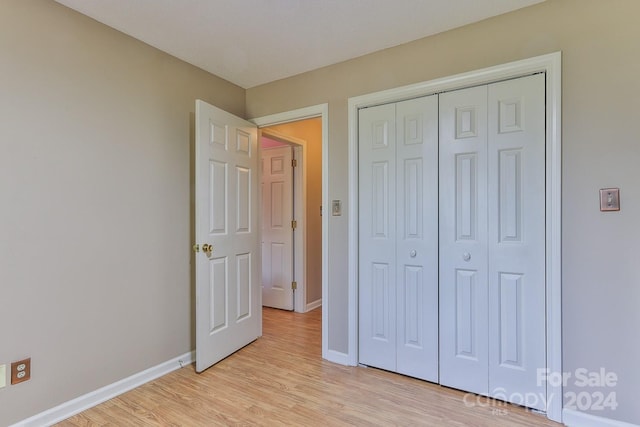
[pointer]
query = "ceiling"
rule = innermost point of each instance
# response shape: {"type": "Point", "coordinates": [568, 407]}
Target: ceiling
{"type": "Point", "coordinates": [251, 42]}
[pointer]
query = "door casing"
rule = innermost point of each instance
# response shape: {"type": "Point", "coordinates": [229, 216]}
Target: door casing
{"type": "Point", "coordinates": [549, 64]}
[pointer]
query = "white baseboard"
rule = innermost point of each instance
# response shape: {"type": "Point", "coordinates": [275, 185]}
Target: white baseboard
{"type": "Point", "coordinates": [313, 305]}
{"type": "Point", "coordinates": [89, 400]}
{"type": "Point", "coordinates": [337, 357]}
{"type": "Point", "coordinates": [572, 418]}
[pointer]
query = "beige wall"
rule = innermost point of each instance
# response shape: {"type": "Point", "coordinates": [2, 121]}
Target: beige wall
{"type": "Point", "coordinates": [95, 219]}
{"type": "Point", "coordinates": [601, 98]}
{"type": "Point", "coordinates": [310, 130]}
{"type": "Point", "coordinates": [95, 185]}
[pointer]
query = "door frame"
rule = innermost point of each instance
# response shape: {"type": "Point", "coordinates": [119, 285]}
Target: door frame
{"type": "Point", "coordinates": [550, 64]}
{"type": "Point", "coordinates": [322, 111]}
{"type": "Point", "coordinates": [299, 177]}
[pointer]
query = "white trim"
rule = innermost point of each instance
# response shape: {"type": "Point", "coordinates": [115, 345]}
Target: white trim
{"type": "Point", "coordinates": [89, 400]}
{"type": "Point", "coordinates": [553, 67]}
{"type": "Point", "coordinates": [300, 215]}
{"type": "Point", "coordinates": [320, 110]}
{"type": "Point", "coordinates": [574, 418]}
{"type": "Point", "coordinates": [337, 357]}
{"type": "Point", "coordinates": [313, 305]}
{"type": "Point", "coordinates": [354, 221]}
{"type": "Point", "coordinates": [281, 137]}
{"type": "Point", "coordinates": [551, 64]}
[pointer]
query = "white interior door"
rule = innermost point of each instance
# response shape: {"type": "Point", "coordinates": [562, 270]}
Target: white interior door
{"type": "Point", "coordinates": [228, 314]}
{"type": "Point", "coordinates": [277, 232]}
{"type": "Point", "coordinates": [398, 237]}
{"type": "Point", "coordinates": [377, 237]}
{"type": "Point", "coordinates": [516, 229]}
{"type": "Point", "coordinates": [417, 242]}
{"type": "Point", "coordinates": [492, 240]}
{"type": "Point", "coordinates": [463, 240]}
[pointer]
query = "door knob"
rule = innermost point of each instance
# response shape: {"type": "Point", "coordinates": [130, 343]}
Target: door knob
{"type": "Point", "coordinates": [208, 249]}
{"type": "Point", "coordinates": [413, 254]}
{"type": "Point", "coordinates": [466, 256]}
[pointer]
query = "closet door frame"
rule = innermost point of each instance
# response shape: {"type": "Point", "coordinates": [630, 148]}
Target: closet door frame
{"type": "Point", "coordinates": [549, 64]}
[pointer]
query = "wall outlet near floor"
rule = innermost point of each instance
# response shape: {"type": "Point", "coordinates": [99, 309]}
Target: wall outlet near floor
{"type": "Point", "coordinates": [20, 371]}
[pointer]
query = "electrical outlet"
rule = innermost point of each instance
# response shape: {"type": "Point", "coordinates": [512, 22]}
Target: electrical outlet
{"type": "Point", "coordinates": [20, 371]}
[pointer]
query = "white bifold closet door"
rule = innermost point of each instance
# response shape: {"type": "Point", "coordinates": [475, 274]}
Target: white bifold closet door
{"type": "Point", "coordinates": [492, 239]}
{"type": "Point", "coordinates": [398, 245]}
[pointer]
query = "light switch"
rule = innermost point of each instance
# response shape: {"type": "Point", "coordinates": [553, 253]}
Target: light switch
{"type": "Point", "coordinates": [336, 208]}
{"type": "Point", "coordinates": [3, 375]}
{"type": "Point", "coordinates": [609, 199]}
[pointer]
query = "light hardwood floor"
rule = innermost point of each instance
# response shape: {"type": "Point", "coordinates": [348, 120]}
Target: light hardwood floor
{"type": "Point", "coordinates": [281, 379]}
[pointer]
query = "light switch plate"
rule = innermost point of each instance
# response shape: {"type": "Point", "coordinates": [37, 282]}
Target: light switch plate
{"type": "Point", "coordinates": [336, 207]}
{"type": "Point", "coordinates": [609, 199]}
{"type": "Point", "coordinates": [3, 375]}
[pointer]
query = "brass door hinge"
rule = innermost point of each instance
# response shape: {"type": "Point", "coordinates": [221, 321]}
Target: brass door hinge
{"type": "Point", "coordinates": [294, 163]}
{"type": "Point", "coordinates": [294, 224]}
{"type": "Point", "coordinates": [294, 285]}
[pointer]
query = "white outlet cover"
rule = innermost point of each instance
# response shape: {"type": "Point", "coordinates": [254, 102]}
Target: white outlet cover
{"type": "Point", "coordinates": [3, 375]}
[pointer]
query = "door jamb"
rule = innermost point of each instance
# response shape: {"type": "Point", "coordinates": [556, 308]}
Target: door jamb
{"type": "Point", "coordinates": [320, 110]}
{"type": "Point", "coordinates": [550, 64]}
{"type": "Point", "coordinates": [299, 214]}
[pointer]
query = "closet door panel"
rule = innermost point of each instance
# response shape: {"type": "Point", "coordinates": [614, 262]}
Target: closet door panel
{"type": "Point", "coordinates": [463, 239]}
{"type": "Point", "coordinates": [417, 237]}
{"type": "Point", "coordinates": [377, 237]}
{"type": "Point", "coordinates": [516, 230]}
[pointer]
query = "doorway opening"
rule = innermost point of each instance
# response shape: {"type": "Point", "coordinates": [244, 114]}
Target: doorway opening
{"type": "Point", "coordinates": [291, 159]}
{"type": "Point", "coordinates": [320, 111]}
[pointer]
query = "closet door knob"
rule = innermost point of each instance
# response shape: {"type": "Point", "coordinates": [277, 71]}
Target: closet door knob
{"type": "Point", "coordinates": [466, 256]}
{"type": "Point", "coordinates": [413, 254]}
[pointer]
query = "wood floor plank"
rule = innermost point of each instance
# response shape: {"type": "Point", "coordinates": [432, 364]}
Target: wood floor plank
{"type": "Point", "coordinates": [281, 379]}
